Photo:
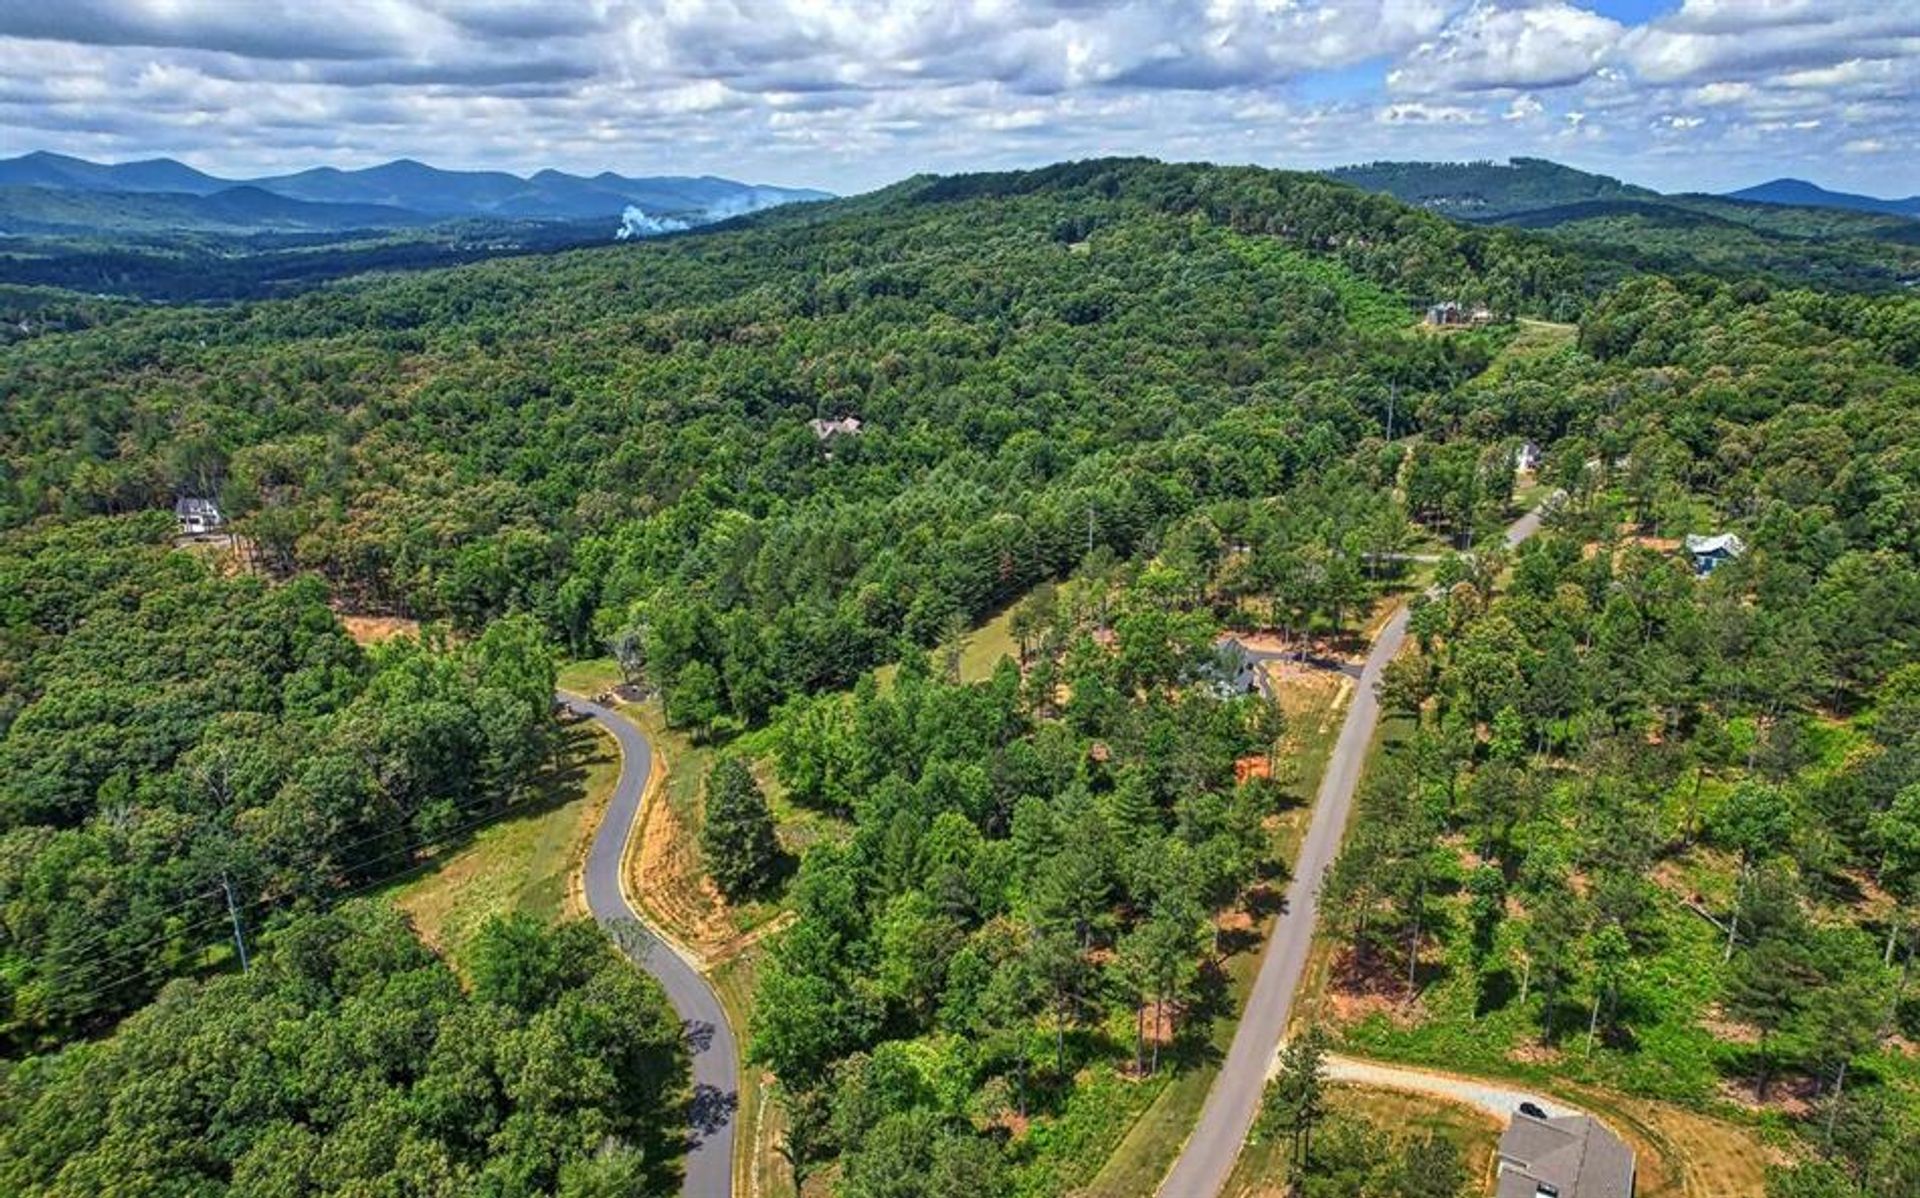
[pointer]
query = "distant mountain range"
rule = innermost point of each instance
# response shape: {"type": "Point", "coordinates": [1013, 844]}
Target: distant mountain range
{"type": "Point", "coordinates": [48, 193]}
{"type": "Point", "coordinates": [1491, 191]}
{"type": "Point", "coordinates": [1800, 193]}
{"type": "Point", "coordinates": [1788, 229]}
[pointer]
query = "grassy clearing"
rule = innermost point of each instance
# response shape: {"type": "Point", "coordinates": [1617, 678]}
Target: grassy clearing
{"type": "Point", "coordinates": [523, 862]}
{"type": "Point", "coordinates": [980, 649]}
{"type": "Point", "coordinates": [1261, 1171]}
{"type": "Point", "coordinates": [589, 676]}
{"type": "Point", "coordinates": [1367, 305]}
{"type": "Point", "coordinates": [1530, 339]}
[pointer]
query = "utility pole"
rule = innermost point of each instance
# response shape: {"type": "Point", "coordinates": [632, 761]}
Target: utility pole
{"type": "Point", "coordinates": [1089, 530]}
{"type": "Point", "coordinates": [1393, 392]}
{"type": "Point", "coordinates": [233, 912]}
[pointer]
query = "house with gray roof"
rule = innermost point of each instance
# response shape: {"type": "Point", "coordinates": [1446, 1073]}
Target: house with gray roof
{"type": "Point", "coordinates": [1573, 1156]}
{"type": "Point", "coordinates": [1710, 553]}
{"type": "Point", "coordinates": [197, 516]}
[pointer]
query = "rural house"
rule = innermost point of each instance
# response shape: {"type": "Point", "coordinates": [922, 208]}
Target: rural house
{"type": "Point", "coordinates": [1710, 553]}
{"type": "Point", "coordinates": [845, 426]}
{"type": "Point", "coordinates": [1569, 1157]}
{"type": "Point", "coordinates": [1449, 314]}
{"type": "Point", "coordinates": [1238, 669]}
{"type": "Point", "coordinates": [197, 516]}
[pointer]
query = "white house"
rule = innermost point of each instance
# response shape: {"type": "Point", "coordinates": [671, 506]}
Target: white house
{"type": "Point", "coordinates": [198, 515]}
{"type": "Point", "coordinates": [1710, 553]}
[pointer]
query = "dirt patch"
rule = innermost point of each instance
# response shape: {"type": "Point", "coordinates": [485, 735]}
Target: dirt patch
{"type": "Point", "coordinates": [371, 630]}
{"type": "Point", "coordinates": [1791, 1094]}
{"type": "Point", "coordinates": [1306, 693]}
{"type": "Point", "coordinates": [1265, 642]}
{"type": "Point", "coordinates": [668, 875]}
{"type": "Point", "coordinates": [1234, 921]}
{"type": "Point", "coordinates": [1252, 766]}
{"type": "Point", "coordinates": [1535, 1053]}
{"type": "Point", "coordinates": [1714, 1159]}
{"type": "Point", "coordinates": [1013, 1123]}
{"type": "Point", "coordinates": [1726, 1030]}
{"type": "Point", "coordinates": [1359, 988]}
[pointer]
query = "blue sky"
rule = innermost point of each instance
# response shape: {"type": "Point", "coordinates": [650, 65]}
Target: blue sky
{"type": "Point", "coordinates": [1676, 94]}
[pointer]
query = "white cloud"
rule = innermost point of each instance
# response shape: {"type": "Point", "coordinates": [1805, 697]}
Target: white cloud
{"type": "Point", "coordinates": [851, 93]}
{"type": "Point", "coordinates": [1547, 45]}
{"type": "Point", "coordinates": [1523, 108]}
{"type": "Point", "coordinates": [1714, 94]}
{"type": "Point", "coordinates": [1761, 38]}
{"type": "Point", "coordinates": [1415, 112]}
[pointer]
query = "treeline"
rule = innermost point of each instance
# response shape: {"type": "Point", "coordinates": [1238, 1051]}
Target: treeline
{"type": "Point", "coordinates": [167, 733]}
{"type": "Point", "coordinates": [350, 1060]}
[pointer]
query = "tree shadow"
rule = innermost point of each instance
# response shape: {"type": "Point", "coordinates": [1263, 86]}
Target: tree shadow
{"type": "Point", "coordinates": [1496, 990]}
{"type": "Point", "coordinates": [710, 1110]}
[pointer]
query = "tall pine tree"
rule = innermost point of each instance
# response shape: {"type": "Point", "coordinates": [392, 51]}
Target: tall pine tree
{"type": "Point", "coordinates": [742, 852]}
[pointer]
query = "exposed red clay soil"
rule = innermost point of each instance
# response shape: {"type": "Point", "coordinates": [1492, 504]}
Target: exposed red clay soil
{"type": "Point", "coordinates": [371, 630]}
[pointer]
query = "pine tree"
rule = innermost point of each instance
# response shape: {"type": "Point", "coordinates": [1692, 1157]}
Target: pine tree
{"type": "Point", "coordinates": [742, 852]}
{"type": "Point", "coordinates": [1296, 1099]}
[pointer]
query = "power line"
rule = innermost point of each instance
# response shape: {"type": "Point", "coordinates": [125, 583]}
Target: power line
{"type": "Point", "coordinates": [331, 900]}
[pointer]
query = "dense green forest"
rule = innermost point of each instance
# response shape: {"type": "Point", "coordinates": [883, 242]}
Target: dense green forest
{"type": "Point", "coordinates": [168, 730]}
{"type": "Point", "coordinates": [1626, 801]}
{"type": "Point", "coordinates": [1171, 383]}
{"type": "Point", "coordinates": [351, 1060]}
{"type": "Point", "coordinates": [1642, 230]}
{"type": "Point", "coordinates": [622, 435]}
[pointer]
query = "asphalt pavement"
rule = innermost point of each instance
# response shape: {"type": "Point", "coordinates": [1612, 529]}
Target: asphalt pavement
{"type": "Point", "coordinates": [716, 1077]}
{"type": "Point", "coordinates": [1208, 1156]}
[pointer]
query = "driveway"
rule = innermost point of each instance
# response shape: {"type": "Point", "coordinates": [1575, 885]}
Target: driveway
{"type": "Point", "coordinates": [1495, 1099]}
{"type": "Point", "coordinates": [716, 1081]}
{"type": "Point", "coordinates": [1209, 1153]}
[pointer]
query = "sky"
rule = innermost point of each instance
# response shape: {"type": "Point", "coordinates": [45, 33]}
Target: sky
{"type": "Point", "coordinates": [1675, 94]}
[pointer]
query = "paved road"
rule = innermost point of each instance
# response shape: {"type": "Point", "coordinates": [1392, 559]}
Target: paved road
{"type": "Point", "coordinates": [1209, 1153]}
{"type": "Point", "coordinates": [716, 1081]}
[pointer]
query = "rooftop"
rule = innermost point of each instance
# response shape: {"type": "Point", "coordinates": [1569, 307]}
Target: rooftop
{"type": "Point", "coordinates": [1571, 1157]}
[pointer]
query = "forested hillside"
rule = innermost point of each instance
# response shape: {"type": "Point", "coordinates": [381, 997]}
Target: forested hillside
{"type": "Point", "coordinates": [621, 436]}
{"type": "Point", "coordinates": [1654, 830]}
{"type": "Point", "coordinates": [1796, 242]}
{"type": "Point", "coordinates": [351, 1061]}
{"type": "Point", "coordinates": [1199, 393]}
{"type": "Point", "coordinates": [169, 731]}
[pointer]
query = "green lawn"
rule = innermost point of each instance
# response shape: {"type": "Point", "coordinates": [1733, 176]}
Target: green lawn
{"type": "Point", "coordinates": [980, 649]}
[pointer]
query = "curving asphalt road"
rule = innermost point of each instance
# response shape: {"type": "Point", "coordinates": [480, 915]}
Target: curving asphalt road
{"type": "Point", "coordinates": [716, 1080]}
{"type": "Point", "coordinates": [1209, 1153]}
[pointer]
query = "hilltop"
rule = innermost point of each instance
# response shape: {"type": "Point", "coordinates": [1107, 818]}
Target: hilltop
{"type": "Point", "coordinates": [1788, 231]}
{"type": "Point", "coordinates": [1800, 193]}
